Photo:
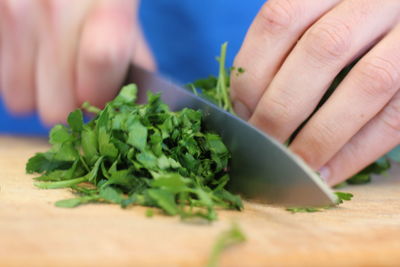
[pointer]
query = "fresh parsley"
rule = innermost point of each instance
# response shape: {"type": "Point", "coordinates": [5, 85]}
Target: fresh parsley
{"type": "Point", "coordinates": [132, 154]}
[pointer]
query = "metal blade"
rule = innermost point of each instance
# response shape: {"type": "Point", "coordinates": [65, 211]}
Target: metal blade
{"type": "Point", "coordinates": [261, 168]}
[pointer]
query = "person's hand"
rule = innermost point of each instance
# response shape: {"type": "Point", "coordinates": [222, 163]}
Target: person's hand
{"type": "Point", "coordinates": [291, 54]}
{"type": "Point", "coordinates": [56, 54]}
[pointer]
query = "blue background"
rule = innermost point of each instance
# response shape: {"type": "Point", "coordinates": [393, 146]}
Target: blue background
{"type": "Point", "coordinates": [185, 37]}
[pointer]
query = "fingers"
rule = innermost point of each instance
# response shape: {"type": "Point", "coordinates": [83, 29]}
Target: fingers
{"type": "Point", "coordinates": [368, 87]}
{"type": "Point", "coordinates": [274, 32]}
{"type": "Point", "coordinates": [18, 45]}
{"type": "Point", "coordinates": [59, 36]}
{"type": "Point", "coordinates": [329, 45]}
{"type": "Point", "coordinates": [106, 49]}
{"type": "Point", "coordinates": [378, 137]}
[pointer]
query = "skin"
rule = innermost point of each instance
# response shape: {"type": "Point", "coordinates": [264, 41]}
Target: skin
{"type": "Point", "coordinates": [80, 50]}
{"type": "Point", "coordinates": [73, 50]}
{"type": "Point", "coordinates": [291, 54]}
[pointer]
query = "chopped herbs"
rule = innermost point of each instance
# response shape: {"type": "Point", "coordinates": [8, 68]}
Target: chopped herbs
{"type": "Point", "coordinates": [132, 154]}
{"type": "Point", "coordinates": [341, 197]}
{"type": "Point", "coordinates": [231, 237]}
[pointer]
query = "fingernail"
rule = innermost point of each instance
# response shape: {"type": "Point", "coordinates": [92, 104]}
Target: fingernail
{"type": "Point", "coordinates": [324, 172]}
{"type": "Point", "coordinates": [241, 110]}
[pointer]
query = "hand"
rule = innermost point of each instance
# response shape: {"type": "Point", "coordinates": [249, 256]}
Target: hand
{"type": "Point", "coordinates": [56, 54]}
{"type": "Point", "coordinates": [291, 54]}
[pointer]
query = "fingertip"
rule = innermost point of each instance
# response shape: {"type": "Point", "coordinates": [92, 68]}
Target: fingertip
{"type": "Point", "coordinates": [18, 107]}
{"type": "Point", "coordinates": [52, 117]}
{"type": "Point", "coordinates": [103, 61]}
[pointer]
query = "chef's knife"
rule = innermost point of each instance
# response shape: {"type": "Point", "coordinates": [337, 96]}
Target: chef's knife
{"type": "Point", "coordinates": [261, 168]}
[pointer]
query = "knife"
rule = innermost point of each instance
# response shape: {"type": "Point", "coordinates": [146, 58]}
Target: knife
{"type": "Point", "coordinates": [261, 168]}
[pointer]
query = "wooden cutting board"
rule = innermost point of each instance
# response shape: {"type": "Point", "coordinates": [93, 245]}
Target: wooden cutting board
{"type": "Point", "coordinates": [33, 232]}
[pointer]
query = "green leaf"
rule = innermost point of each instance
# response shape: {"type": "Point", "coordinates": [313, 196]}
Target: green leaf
{"type": "Point", "coordinates": [122, 178]}
{"type": "Point", "coordinates": [58, 175]}
{"type": "Point", "coordinates": [148, 159]}
{"type": "Point", "coordinates": [342, 196]}
{"type": "Point", "coordinates": [43, 162]}
{"type": "Point", "coordinates": [66, 152]}
{"type": "Point", "coordinates": [69, 203]}
{"type": "Point", "coordinates": [106, 147]}
{"type": "Point", "coordinates": [127, 95]}
{"type": "Point", "coordinates": [89, 108]}
{"type": "Point", "coordinates": [92, 175]}
{"type": "Point", "coordinates": [75, 120]}
{"type": "Point", "coordinates": [360, 178]}
{"type": "Point", "coordinates": [216, 144]}
{"type": "Point", "coordinates": [165, 199]}
{"type": "Point", "coordinates": [59, 134]}
{"type": "Point", "coordinates": [137, 135]}
{"type": "Point", "coordinates": [89, 144]}
{"type": "Point", "coordinates": [171, 182]}
{"type": "Point", "coordinates": [74, 202]}
{"type": "Point", "coordinates": [110, 194]}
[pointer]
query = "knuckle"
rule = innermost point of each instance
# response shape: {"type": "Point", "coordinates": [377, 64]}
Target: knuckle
{"type": "Point", "coordinates": [325, 134]}
{"type": "Point", "coordinates": [318, 142]}
{"type": "Point", "coordinates": [276, 116]}
{"type": "Point", "coordinates": [378, 76]}
{"type": "Point", "coordinates": [103, 56]}
{"type": "Point", "coordinates": [327, 42]}
{"type": "Point", "coordinates": [278, 15]}
{"type": "Point", "coordinates": [391, 117]}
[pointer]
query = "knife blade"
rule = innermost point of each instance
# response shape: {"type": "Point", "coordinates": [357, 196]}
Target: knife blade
{"type": "Point", "coordinates": [261, 168]}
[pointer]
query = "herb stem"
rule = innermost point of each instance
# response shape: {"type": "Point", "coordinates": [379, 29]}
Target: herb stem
{"type": "Point", "coordinates": [222, 88]}
{"type": "Point", "coordinates": [61, 184]}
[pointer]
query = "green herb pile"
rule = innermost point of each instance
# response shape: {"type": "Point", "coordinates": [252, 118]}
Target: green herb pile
{"type": "Point", "coordinates": [133, 154]}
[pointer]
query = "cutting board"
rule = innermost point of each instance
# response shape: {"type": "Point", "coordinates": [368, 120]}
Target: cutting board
{"type": "Point", "coordinates": [33, 232]}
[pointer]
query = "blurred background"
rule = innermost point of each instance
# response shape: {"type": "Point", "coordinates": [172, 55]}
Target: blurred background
{"type": "Point", "coordinates": [185, 37]}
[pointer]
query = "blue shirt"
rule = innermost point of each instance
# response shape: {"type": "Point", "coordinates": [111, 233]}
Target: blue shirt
{"type": "Point", "coordinates": [185, 37]}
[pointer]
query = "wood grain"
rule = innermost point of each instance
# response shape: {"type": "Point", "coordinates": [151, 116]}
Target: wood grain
{"type": "Point", "coordinates": [362, 232]}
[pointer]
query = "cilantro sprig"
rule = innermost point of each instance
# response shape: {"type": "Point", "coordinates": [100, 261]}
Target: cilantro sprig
{"type": "Point", "coordinates": [132, 154]}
